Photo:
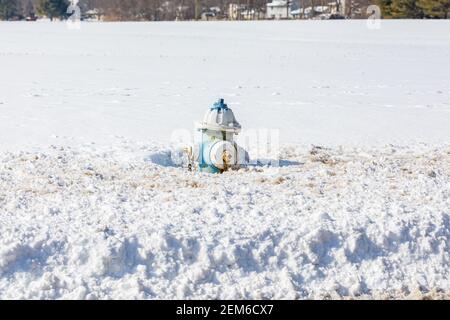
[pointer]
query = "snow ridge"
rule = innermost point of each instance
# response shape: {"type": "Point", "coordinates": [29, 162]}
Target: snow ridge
{"type": "Point", "coordinates": [93, 223]}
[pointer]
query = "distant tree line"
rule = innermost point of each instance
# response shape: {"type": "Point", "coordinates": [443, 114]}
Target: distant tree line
{"type": "Point", "coordinates": [20, 9]}
{"type": "Point", "coordinates": [415, 9]}
{"type": "Point", "coordinates": [124, 10]}
{"type": "Point", "coordinates": [156, 10]}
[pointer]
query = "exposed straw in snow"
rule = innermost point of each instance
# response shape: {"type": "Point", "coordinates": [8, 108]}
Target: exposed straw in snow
{"type": "Point", "coordinates": [330, 223]}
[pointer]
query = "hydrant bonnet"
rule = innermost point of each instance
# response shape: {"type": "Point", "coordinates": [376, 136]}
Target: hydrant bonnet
{"type": "Point", "coordinates": [221, 118]}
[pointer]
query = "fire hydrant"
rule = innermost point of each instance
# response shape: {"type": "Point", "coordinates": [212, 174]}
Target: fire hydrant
{"type": "Point", "coordinates": [216, 151]}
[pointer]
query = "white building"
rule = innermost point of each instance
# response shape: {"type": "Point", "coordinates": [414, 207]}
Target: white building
{"type": "Point", "coordinates": [320, 12]}
{"type": "Point", "coordinates": [93, 15]}
{"type": "Point", "coordinates": [277, 9]}
{"type": "Point", "coordinates": [336, 7]}
{"type": "Point", "coordinates": [235, 11]}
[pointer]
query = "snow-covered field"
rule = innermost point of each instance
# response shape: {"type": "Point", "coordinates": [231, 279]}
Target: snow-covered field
{"type": "Point", "coordinates": [91, 205]}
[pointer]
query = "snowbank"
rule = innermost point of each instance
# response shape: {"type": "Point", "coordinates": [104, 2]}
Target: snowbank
{"type": "Point", "coordinates": [87, 223]}
{"type": "Point", "coordinates": [103, 216]}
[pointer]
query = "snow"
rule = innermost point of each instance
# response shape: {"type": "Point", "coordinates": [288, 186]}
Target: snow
{"type": "Point", "coordinates": [92, 206]}
{"type": "Point", "coordinates": [277, 4]}
{"type": "Point", "coordinates": [144, 80]}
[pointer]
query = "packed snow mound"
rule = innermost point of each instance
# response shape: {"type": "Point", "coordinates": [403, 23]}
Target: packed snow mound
{"type": "Point", "coordinates": [92, 223]}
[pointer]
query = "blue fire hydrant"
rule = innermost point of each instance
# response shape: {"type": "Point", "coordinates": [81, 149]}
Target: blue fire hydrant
{"type": "Point", "coordinates": [216, 151]}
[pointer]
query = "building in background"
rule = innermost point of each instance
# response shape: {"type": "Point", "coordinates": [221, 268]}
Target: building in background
{"type": "Point", "coordinates": [329, 10]}
{"type": "Point", "coordinates": [278, 9]}
{"type": "Point", "coordinates": [93, 15]}
{"type": "Point", "coordinates": [235, 11]}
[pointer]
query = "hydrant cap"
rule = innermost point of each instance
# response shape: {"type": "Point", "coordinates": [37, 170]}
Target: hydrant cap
{"type": "Point", "coordinates": [220, 105]}
{"type": "Point", "coordinates": [220, 117]}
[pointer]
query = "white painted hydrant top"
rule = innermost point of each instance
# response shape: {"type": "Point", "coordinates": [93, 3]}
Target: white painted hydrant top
{"type": "Point", "coordinates": [220, 118]}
